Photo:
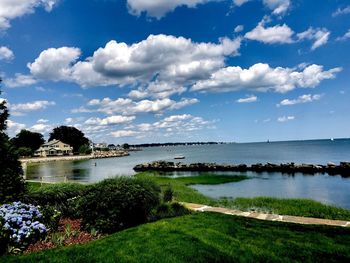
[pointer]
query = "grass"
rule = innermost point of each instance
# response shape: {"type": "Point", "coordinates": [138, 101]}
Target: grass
{"type": "Point", "coordinates": [182, 192]}
{"type": "Point", "coordinates": [208, 237]}
{"type": "Point", "coordinates": [294, 207]}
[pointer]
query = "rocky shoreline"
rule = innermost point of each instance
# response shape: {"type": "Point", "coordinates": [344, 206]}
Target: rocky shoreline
{"type": "Point", "coordinates": [342, 169]}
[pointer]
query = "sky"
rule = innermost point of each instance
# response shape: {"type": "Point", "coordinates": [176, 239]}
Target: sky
{"type": "Point", "coordinates": [143, 71]}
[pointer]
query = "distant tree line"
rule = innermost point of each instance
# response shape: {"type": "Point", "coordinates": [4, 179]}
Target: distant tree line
{"type": "Point", "coordinates": [173, 144]}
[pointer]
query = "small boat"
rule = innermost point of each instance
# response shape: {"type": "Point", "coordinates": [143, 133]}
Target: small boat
{"type": "Point", "coordinates": [178, 157]}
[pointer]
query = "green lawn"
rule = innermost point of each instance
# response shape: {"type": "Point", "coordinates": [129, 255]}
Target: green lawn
{"type": "Point", "coordinates": [295, 207]}
{"type": "Point", "coordinates": [208, 237]}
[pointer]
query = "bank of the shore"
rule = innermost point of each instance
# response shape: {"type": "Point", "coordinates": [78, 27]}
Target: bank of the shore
{"type": "Point", "coordinates": [95, 155]}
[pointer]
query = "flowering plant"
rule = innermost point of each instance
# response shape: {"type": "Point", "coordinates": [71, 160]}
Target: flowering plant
{"type": "Point", "coordinates": [22, 224]}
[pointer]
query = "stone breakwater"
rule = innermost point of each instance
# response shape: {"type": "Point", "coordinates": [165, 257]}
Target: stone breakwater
{"type": "Point", "coordinates": [342, 169]}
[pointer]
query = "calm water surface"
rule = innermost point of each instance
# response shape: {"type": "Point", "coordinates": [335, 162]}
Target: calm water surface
{"type": "Point", "coordinates": [323, 188]}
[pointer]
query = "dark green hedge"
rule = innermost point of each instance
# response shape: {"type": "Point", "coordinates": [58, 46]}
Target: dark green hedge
{"type": "Point", "coordinates": [118, 203]}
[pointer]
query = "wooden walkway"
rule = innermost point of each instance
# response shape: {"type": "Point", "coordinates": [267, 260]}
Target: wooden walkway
{"type": "Point", "coordinates": [268, 217]}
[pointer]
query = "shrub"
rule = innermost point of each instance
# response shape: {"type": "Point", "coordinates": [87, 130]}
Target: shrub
{"type": "Point", "coordinates": [168, 194]}
{"type": "Point", "coordinates": [51, 217]}
{"type": "Point", "coordinates": [166, 210]}
{"type": "Point", "coordinates": [24, 151]}
{"type": "Point", "coordinates": [118, 203]}
{"type": "Point", "coordinates": [62, 197]}
{"type": "Point", "coordinates": [4, 238]}
{"type": "Point", "coordinates": [22, 223]}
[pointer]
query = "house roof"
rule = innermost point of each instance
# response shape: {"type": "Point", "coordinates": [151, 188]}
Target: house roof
{"type": "Point", "coordinates": [53, 142]}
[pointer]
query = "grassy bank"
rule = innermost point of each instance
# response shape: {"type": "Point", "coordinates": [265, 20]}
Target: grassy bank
{"type": "Point", "coordinates": [183, 193]}
{"type": "Point", "coordinates": [295, 207]}
{"type": "Point", "coordinates": [208, 237]}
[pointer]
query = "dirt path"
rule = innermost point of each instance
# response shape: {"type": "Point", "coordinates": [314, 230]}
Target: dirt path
{"type": "Point", "coordinates": [268, 217]}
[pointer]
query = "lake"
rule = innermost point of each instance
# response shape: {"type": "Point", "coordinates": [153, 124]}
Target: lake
{"type": "Point", "coordinates": [323, 188]}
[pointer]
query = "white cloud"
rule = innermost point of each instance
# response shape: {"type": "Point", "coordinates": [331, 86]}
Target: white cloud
{"type": "Point", "coordinates": [6, 53]}
{"type": "Point", "coordinates": [130, 107]}
{"type": "Point", "coordinates": [11, 9]}
{"type": "Point", "coordinates": [124, 133]}
{"type": "Point", "coordinates": [345, 37]}
{"type": "Point", "coordinates": [239, 28]}
{"type": "Point", "coordinates": [158, 8]}
{"type": "Point", "coordinates": [55, 63]}
{"type": "Point", "coordinates": [20, 80]}
{"type": "Point", "coordinates": [342, 11]}
{"type": "Point", "coordinates": [13, 127]}
{"type": "Point", "coordinates": [32, 106]}
{"type": "Point", "coordinates": [261, 77]}
{"type": "Point", "coordinates": [278, 7]}
{"type": "Point", "coordinates": [286, 118]}
{"type": "Point", "coordinates": [280, 34]}
{"type": "Point", "coordinates": [157, 89]}
{"type": "Point", "coordinates": [41, 128]}
{"type": "Point", "coordinates": [42, 121]}
{"type": "Point", "coordinates": [320, 36]}
{"type": "Point", "coordinates": [111, 120]}
{"type": "Point", "coordinates": [174, 59]}
{"type": "Point", "coordinates": [249, 99]}
{"type": "Point", "coordinates": [300, 100]}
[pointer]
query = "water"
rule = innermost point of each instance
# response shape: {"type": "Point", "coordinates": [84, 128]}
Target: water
{"type": "Point", "coordinates": [324, 188]}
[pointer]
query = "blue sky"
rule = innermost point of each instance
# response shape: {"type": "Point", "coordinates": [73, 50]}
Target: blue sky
{"type": "Point", "coordinates": [185, 70]}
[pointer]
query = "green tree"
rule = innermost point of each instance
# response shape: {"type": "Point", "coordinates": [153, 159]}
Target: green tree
{"type": "Point", "coordinates": [28, 139]}
{"type": "Point", "coordinates": [126, 146]}
{"type": "Point", "coordinates": [12, 184]}
{"type": "Point", "coordinates": [69, 135]}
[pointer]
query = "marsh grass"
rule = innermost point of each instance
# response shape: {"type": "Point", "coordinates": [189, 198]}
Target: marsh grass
{"type": "Point", "coordinates": [294, 207]}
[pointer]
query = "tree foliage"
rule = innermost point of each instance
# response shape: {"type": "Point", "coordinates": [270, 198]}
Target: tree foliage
{"type": "Point", "coordinates": [69, 135]}
{"type": "Point", "coordinates": [11, 180]}
{"type": "Point", "coordinates": [28, 139]}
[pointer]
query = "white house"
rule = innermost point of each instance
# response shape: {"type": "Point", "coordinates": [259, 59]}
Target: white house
{"type": "Point", "coordinates": [54, 148]}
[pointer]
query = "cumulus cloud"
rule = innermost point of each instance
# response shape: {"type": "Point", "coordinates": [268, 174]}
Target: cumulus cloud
{"type": "Point", "coordinates": [20, 80]}
{"type": "Point", "coordinates": [261, 77]}
{"type": "Point", "coordinates": [11, 9]}
{"type": "Point", "coordinates": [14, 127]}
{"type": "Point", "coordinates": [111, 120]}
{"type": "Point", "coordinates": [41, 128]}
{"type": "Point", "coordinates": [320, 36]}
{"type": "Point", "coordinates": [159, 8]}
{"type": "Point", "coordinates": [300, 100]}
{"type": "Point", "coordinates": [32, 106]}
{"type": "Point", "coordinates": [279, 34]}
{"type": "Point", "coordinates": [6, 54]}
{"type": "Point", "coordinates": [55, 63]}
{"type": "Point", "coordinates": [278, 7]}
{"type": "Point", "coordinates": [130, 107]}
{"type": "Point", "coordinates": [248, 99]}
{"type": "Point", "coordinates": [165, 57]}
{"type": "Point", "coordinates": [285, 118]}
{"type": "Point", "coordinates": [124, 133]}
{"type": "Point", "coordinates": [42, 121]}
{"type": "Point", "coordinates": [345, 37]}
{"type": "Point", "coordinates": [157, 89]}
{"type": "Point", "coordinates": [342, 11]}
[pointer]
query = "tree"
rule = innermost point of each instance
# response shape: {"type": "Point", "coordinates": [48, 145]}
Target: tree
{"type": "Point", "coordinates": [69, 135]}
{"type": "Point", "coordinates": [12, 184]}
{"type": "Point", "coordinates": [126, 146]}
{"type": "Point", "coordinates": [28, 139]}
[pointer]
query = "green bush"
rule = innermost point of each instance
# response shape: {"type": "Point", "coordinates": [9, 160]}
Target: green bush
{"type": "Point", "coordinates": [51, 217]}
{"type": "Point", "coordinates": [166, 210]}
{"type": "Point", "coordinates": [168, 194]}
{"type": "Point", "coordinates": [4, 238]}
{"type": "Point", "coordinates": [118, 203]}
{"type": "Point", "coordinates": [24, 151]}
{"type": "Point", "coordinates": [63, 197]}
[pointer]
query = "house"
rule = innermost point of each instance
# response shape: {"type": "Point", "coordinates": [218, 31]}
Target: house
{"type": "Point", "coordinates": [54, 148]}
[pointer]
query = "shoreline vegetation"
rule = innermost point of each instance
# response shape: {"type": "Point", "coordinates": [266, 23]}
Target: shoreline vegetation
{"type": "Point", "coordinates": [182, 192]}
{"type": "Point", "coordinates": [342, 169]}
